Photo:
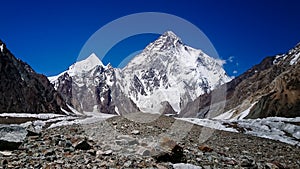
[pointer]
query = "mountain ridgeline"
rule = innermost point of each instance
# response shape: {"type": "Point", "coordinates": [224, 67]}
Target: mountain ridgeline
{"type": "Point", "coordinates": [167, 77]}
{"type": "Point", "coordinates": [23, 90]}
{"type": "Point", "coordinates": [271, 88]}
{"type": "Point", "coordinates": [163, 78]}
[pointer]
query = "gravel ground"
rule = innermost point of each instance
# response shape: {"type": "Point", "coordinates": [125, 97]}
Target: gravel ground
{"type": "Point", "coordinates": [148, 141]}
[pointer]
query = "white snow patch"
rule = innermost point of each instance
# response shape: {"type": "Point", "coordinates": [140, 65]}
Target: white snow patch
{"type": "Point", "coordinates": [295, 59]}
{"type": "Point", "coordinates": [91, 117]}
{"type": "Point", "coordinates": [102, 99]}
{"type": "Point", "coordinates": [29, 115]}
{"type": "Point", "coordinates": [225, 116]}
{"type": "Point", "coordinates": [279, 58]}
{"type": "Point", "coordinates": [214, 124]}
{"type": "Point", "coordinates": [74, 110]}
{"type": "Point", "coordinates": [275, 128]}
{"type": "Point", "coordinates": [117, 110]}
{"type": "Point", "coordinates": [1, 47]}
{"type": "Point", "coordinates": [245, 113]}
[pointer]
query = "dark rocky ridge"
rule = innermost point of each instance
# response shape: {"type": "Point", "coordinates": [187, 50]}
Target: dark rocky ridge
{"type": "Point", "coordinates": [23, 90]}
{"type": "Point", "coordinates": [273, 83]}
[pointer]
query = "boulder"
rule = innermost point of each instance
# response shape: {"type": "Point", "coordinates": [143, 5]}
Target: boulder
{"type": "Point", "coordinates": [169, 151]}
{"type": "Point", "coordinates": [11, 137]}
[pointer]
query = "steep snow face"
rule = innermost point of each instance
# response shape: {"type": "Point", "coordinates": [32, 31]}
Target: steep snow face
{"type": "Point", "coordinates": [86, 85]}
{"type": "Point", "coordinates": [85, 65]}
{"type": "Point", "coordinates": [168, 70]}
{"type": "Point", "coordinates": [80, 67]}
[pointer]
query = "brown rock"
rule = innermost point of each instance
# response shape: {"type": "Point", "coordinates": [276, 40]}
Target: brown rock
{"type": "Point", "coordinates": [205, 148]}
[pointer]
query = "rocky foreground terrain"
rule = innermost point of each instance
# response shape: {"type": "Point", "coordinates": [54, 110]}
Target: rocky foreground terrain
{"type": "Point", "coordinates": [147, 141]}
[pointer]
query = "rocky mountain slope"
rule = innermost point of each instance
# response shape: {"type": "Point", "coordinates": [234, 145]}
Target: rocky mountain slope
{"type": "Point", "coordinates": [162, 79]}
{"type": "Point", "coordinates": [90, 86]}
{"type": "Point", "coordinates": [23, 90]}
{"type": "Point", "coordinates": [270, 88]}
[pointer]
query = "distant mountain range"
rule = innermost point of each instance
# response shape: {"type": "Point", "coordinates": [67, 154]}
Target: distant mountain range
{"type": "Point", "coordinates": [162, 79]}
{"type": "Point", "coordinates": [167, 77]}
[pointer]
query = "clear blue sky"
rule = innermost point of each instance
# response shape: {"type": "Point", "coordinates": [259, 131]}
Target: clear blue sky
{"type": "Point", "coordinates": [49, 35]}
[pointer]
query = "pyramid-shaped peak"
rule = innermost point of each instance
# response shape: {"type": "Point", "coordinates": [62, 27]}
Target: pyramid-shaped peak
{"type": "Point", "coordinates": [86, 64]}
{"type": "Point", "coordinates": [93, 58]}
{"type": "Point", "coordinates": [165, 42]}
{"type": "Point", "coordinates": [170, 36]}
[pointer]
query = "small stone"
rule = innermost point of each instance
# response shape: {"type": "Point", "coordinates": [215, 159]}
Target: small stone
{"type": "Point", "coordinates": [127, 164]}
{"type": "Point", "coordinates": [133, 142]}
{"type": "Point", "coordinates": [92, 152]}
{"type": "Point", "coordinates": [107, 153]}
{"type": "Point", "coordinates": [245, 152]}
{"type": "Point", "coordinates": [271, 166]}
{"type": "Point", "coordinates": [259, 153]}
{"type": "Point", "coordinates": [59, 161]}
{"type": "Point", "coordinates": [99, 152]}
{"type": "Point", "coordinates": [68, 143]}
{"type": "Point", "coordinates": [135, 132]}
{"type": "Point", "coordinates": [49, 152]}
{"type": "Point", "coordinates": [4, 163]}
{"type": "Point", "coordinates": [69, 149]}
{"type": "Point", "coordinates": [205, 148]}
{"type": "Point", "coordinates": [226, 148]}
{"type": "Point", "coordinates": [6, 153]}
{"type": "Point", "coordinates": [159, 166]}
{"type": "Point", "coordinates": [247, 161]}
{"type": "Point", "coordinates": [279, 165]}
{"type": "Point", "coordinates": [121, 142]}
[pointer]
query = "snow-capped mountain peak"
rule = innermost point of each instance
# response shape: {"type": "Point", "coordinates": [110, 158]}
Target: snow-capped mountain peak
{"type": "Point", "coordinates": [168, 70]}
{"type": "Point", "coordinates": [85, 65]}
{"type": "Point", "coordinates": [166, 41]}
{"type": "Point", "coordinates": [162, 79]}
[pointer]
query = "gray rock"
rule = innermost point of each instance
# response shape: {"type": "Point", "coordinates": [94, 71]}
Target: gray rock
{"type": "Point", "coordinates": [107, 153]}
{"type": "Point", "coordinates": [247, 161]}
{"type": "Point", "coordinates": [135, 132]}
{"type": "Point", "coordinates": [11, 137]}
{"type": "Point", "coordinates": [127, 163]}
{"type": "Point", "coordinates": [271, 166]}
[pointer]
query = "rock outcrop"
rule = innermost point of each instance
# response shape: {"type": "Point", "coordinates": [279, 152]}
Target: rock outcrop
{"type": "Point", "coordinates": [23, 90]}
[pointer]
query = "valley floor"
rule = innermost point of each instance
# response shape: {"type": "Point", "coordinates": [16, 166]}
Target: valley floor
{"type": "Point", "coordinates": [147, 141]}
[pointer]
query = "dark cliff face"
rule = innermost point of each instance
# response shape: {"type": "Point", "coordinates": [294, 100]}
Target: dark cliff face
{"type": "Point", "coordinates": [274, 85]}
{"type": "Point", "coordinates": [23, 90]}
